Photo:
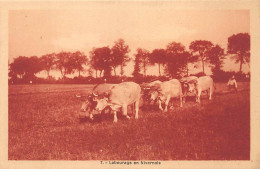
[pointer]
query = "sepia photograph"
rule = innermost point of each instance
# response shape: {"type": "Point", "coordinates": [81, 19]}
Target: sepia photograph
{"type": "Point", "coordinates": [131, 84]}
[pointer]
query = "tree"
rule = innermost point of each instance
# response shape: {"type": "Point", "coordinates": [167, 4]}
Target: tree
{"type": "Point", "coordinates": [200, 49]}
{"type": "Point", "coordinates": [79, 59]}
{"type": "Point", "coordinates": [48, 62]}
{"type": "Point", "coordinates": [119, 55]}
{"type": "Point", "coordinates": [190, 59]}
{"type": "Point", "coordinates": [143, 57]}
{"type": "Point", "coordinates": [19, 66]}
{"type": "Point", "coordinates": [100, 60]}
{"type": "Point", "coordinates": [239, 45]}
{"type": "Point", "coordinates": [158, 56]}
{"type": "Point", "coordinates": [34, 66]}
{"type": "Point", "coordinates": [94, 61]}
{"type": "Point", "coordinates": [24, 67]}
{"type": "Point", "coordinates": [64, 62]}
{"type": "Point", "coordinates": [177, 59]}
{"type": "Point", "coordinates": [137, 70]}
{"type": "Point", "coordinates": [216, 57]}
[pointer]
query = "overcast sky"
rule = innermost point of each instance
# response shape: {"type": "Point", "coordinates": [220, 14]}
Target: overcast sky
{"type": "Point", "coordinates": [38, 32]}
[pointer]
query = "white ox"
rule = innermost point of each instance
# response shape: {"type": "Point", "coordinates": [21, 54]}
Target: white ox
{"type": "Point", "coordinates": [147, 89]}
{"type": "Point", "coordinates": [120, 96]}
{"type": "Point", "coordinates": [204, 83]}
{"type": "Point", "coordinates": [166, 91]}
{"type": "Point", "coordinates": [89, 103]}
{"type": "Point", "coordinates": [185, 85]}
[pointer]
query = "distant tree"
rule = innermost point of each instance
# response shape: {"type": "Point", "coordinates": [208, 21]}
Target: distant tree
{"type": "Point", "coordinates": [137, 70]}
{"type": "Point", "coordinates": [19, 66]}
{"type": "Point", "coordinates": [24, 67]}
{"type": "Point", "coordinates": [190, 59]}
{"type": "Point", "coordinates": [158, 56]}
{"type": "Point", "coordinates": [34, 66]}
{"type": "Point", "coordinates": [119, 55]}
{"type": "Point", "coordinates": [239, 45]}
{"type": "Point", "coordinates": [177, 59]}
{"type": "Point", "coordinates": [90, 71]}
{"type": "Point", "coordinates": [63, 63]}
{"type": "Point", "coordinates": [100, 60]}
{"type": "Point", "coordinates": [94, 62]}
{"type": "Point", "coordinates": [79, 59]}
{"type": "Point", "coordinates": [143, 56]}
{"type": "Point", "coordinates": [48, 62]}
{"type": "Point", "coordinates": [216, 57]}
{"type": "Point", "coordinates": [200, 49]}
{"type": "Point", "coordinates": [11, 75]}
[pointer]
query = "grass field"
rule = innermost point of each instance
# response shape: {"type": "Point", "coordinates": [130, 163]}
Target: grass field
{"type": "Point", "coordinates": [44, 125]}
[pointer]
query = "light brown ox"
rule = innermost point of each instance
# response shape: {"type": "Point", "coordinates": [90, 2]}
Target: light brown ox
{"type": "Point", "coordinates": [89, 102]}
{"type": "Point", "coordinates": [120, 96]}
{"type": "Point", "coordinates": [166, 91]}
{"type": "Point", "coordinates": [204, 83]}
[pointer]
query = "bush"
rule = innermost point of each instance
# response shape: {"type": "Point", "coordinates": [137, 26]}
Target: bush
{"type": "Point", "coordinates": [224, 76]}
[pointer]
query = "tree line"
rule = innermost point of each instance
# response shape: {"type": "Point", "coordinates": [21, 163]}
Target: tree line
{"type": "Point", "coordinates": [173, 61]}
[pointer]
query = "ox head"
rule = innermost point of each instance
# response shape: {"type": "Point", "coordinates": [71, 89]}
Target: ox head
{"type": "Point", "coordinates": [191, 85]}
{"type": "Point", "coordinates": [88, 102]}
{"type": "Point", "coordinates": [150, 93]}
{"type": "Point", "coordinates": [154, 93]}
{"type": "Point", "coordinates": [146, 92]}
{"type": "Point", "coordinates": [101, 103]}
{"type": "Point", "coordinates": [185, 85]}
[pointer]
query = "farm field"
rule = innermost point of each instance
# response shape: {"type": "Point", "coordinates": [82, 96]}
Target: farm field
{"type": "Point", "coordinates": [44, 125]}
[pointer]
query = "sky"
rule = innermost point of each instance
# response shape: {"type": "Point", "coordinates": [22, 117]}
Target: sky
{"type": "Point", "coordinates": [38, 32]}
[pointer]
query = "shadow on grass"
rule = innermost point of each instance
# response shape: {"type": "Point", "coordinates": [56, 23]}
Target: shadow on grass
{"type": "Point", "coordinates": [108, 116]}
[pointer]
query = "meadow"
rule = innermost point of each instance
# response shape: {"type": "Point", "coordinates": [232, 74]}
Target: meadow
{"type": "Point", "coordinates": [44, 125]}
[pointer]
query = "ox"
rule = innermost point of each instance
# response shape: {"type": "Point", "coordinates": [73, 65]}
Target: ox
{"type": "Point", "coordinates": [148, 88]}
{"type": "Point", "coordinates": [166, 91]}
{"type": "Point", "coordinates": [204, 83]}
{"type": "Point", "coordinates": [185, 85]}
{"type": "Point", "coordinates": [120, 96]}
{"type": "Point", "coordinates": [89, 103]}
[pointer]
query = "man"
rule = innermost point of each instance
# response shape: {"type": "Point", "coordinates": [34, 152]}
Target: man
{"type": "Point", "coordinates": [232, 83]}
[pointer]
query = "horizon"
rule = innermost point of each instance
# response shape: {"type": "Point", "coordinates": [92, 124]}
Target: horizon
{"type": "Point", "coordinates": [149, 27]}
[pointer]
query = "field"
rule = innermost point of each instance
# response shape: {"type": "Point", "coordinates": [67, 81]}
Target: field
{"type": "Point", "coordinates": [44, 125]}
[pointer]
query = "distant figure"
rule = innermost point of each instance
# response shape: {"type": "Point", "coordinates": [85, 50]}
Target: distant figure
{"type": "Point", "coordinates": [105, 80]}
{"type": "Point", "coordinates": [232, 83]}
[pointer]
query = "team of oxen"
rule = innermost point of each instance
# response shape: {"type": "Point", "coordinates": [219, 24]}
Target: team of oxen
{"type": "Point", "coordinates": [118, 97]}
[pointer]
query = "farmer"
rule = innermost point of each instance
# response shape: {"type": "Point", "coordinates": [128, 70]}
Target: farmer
{"type": "Point", "coordinates": [232, 83]}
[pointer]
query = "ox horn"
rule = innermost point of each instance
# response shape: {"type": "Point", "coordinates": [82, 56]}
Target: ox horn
{"type": "Point", "coordinates": [82, 96]}
{"type": "Point", "coordinates": [94, 94]}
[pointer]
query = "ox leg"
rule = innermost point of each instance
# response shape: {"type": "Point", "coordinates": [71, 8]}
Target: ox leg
{"type": "Point", "coordinates": [166, 103]}
{"type": "Point", "coordinates": [133, 108]}
{"type": "Point", "coordinates": [160, 105]}
{"type": "Point", "coordinates": [198, 96]}
{"type": "Point", "coordinates": [136, 109]}
{"type": "Point", "coordinates": [115, 117]}
{"type": "Point", "coordinates": [184, 97]}
{"type": "Point", "coordinates": [181, 100]}
{"type": "Point", "coordinates": [125, 111]}
{"type": "Point", "coordinates": [91, 116]}
{"type": "Point", "coordinates": [210, 93]}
